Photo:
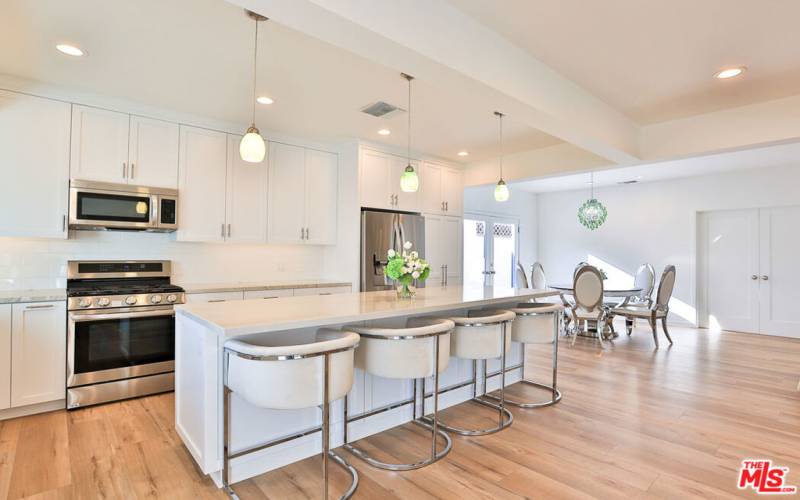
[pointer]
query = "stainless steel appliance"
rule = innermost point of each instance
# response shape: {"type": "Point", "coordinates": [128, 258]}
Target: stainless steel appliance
{"type": "Point", "coordinates": [103, 206]}
{"type": "Point", "coordinates": [380, 231]}
{"type": "Point", "coordinates": [120, 330]}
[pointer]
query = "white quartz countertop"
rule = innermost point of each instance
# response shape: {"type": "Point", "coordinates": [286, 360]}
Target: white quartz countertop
{"type": "Point", "coordinates": [244, 317]}
{"type": "Point", "coordinates": [258, 285]}
{"type": "Point", "coordinates": [32, 295]}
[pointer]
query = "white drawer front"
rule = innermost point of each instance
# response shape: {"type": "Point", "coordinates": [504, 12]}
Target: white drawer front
{"type": "Point", "coordinates": [268, 294]}
{"type": "Point", "coordinates": [194, 298]}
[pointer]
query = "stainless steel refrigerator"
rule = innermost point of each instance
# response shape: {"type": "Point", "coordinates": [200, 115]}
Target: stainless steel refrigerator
{"type": "Point", "coordinates": [380, 231]}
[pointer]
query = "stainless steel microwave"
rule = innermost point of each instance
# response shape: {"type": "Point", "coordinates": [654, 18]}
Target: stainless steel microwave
{"type": "Point", "coordinates": [104, 206]}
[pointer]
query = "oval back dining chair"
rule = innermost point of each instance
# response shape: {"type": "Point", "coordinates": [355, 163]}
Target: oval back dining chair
{"type": "Point", "coordinates": [587, 289]}
{"type": "Point", "coordinates": [645, 279]}
{"type": "Point", "coordinates": [658, 310]}
{"type": "Point", "coordinates": [538, 278]}
{"type": "Point", "coordinates": [522, 279]}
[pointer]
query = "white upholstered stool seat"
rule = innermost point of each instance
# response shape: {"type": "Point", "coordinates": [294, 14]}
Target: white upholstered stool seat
{"type": "Point", "coordinates": [479, 336]}
{"type": "Point", "coordinates": [418, 351]}
{"type": "Point", "coordinates": [290, 370]}
{"type": "Point", "coordinates": [536, 323]}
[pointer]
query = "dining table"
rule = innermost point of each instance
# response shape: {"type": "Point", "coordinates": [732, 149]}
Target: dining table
{"type": "Point", "coordinates": [625, 293]}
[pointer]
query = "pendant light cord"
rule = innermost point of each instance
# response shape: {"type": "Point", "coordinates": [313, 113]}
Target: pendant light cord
{"type": "Point", "coordinates": [255, 72]}
{"type": "Point", "coordinates": [500, 121]}
{"type": "Point", "coordinates": [591, 184]}
{"type": "Point", "coordinates": [408, 149]}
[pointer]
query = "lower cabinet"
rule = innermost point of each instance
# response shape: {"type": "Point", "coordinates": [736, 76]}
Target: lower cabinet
{"type": "Point", "coordinates": [194, 298]}
{"type": "Point", "coordinates": [38, 352]}
{"type": "Point", "coordinates": [5, 356]}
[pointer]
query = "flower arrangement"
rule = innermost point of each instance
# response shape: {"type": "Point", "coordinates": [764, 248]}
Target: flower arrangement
{"type": "Point", "coordinates": [405, 268]}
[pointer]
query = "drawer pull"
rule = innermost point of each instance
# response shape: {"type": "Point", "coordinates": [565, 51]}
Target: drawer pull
{"type": "Point", "coordinates": [217, 300]}
{"type": "Point", "coordinates": [45, 306]}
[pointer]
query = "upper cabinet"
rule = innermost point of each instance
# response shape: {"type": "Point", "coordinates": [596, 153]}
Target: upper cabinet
{"type": "Point", "coordinates": [34, 164]}
{"type": "Point", "coordinates": [442, 189]}
{"type": "Point", "coordinates": [108, 146]}
{"type": "Point", "coordinates": [303, 194]}
{"type": "Point", "coordinates": [379, 182]}
{"type": "Point", "coordinates": [246, 198]}
{"type": "Point", "coordinates": [153, 153]}
{"type": "Point", "coordinates": [203, 168]}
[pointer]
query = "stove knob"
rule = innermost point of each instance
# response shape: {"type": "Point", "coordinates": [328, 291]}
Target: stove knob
{"type": "Point", "coordinates": [155, 299]}
{"type": "Point", "coordinates": [102, 301]}
{"type": "Point", "coordinates": [84, 302]}
{"type": "Point", "coordinates": [130, 300]}
{"type": "Point", "coordinates": [172, 297]}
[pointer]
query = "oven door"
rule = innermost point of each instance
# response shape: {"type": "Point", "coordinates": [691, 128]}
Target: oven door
{"type": "Point", "coordinates": [101, 209]}
{"type": "Point", "coordinates": [103, 346]}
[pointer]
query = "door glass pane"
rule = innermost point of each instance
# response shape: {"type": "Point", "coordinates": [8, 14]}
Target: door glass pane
{"type": "Point", "coordinates": [474, 252]}
{"type": "Point", "coordinates": [505, 258]}
{"type": "Point", "coordinates": [119, 343]}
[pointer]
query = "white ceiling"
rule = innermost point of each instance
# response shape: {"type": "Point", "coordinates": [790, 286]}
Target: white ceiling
{"type": "Point", "coordinates": [773, 156]}
{"type": "Point", "coordinates": [195, 56]}
{"type": "Point", "coordinates": [654, 59]}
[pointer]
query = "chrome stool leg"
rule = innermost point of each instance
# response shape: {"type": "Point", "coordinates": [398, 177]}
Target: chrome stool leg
{"type": "Point", "coordinates": [432, 425]}
{"type": "Point", "coordinates": [505, 417]}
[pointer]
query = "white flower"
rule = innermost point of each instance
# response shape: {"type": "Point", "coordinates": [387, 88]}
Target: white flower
{"type": "Point", "coordinates": [415, 274]}
{"type": "Point", "coordinates": [405, 270]}
{"type": "Point", "coordinates": [407, 245]}
{"type": "Point", "coordinates": [415, 254]}
{"type": "Point", "coordinates": [392, 253]}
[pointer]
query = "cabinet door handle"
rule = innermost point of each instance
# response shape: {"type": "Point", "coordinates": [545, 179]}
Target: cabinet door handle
{"type": "Point", "coordinates": [222, 229]}
{"type": "Point", "coordinates": [754, 277]}
{"type": "Point", "coordinates": [132, 167]}
{"type": "Point", "coordinates": [45, 306]}
{"type": "Point", "coordinates": [229, 230]}
{"type": "Point", "coordinates": [447, 206]}
{"type": "Point", "coordinates": [307, 234]}
{"type": "Point", "coordinates": [124, 170]}
{"type": "Point", "coordinates": [764, 277]}
{"type": "Point", "coordinates": [63, 223]}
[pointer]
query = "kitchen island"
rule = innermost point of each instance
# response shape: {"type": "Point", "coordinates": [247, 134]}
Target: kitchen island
{"type": "Point", "coordinates": [201, 331]}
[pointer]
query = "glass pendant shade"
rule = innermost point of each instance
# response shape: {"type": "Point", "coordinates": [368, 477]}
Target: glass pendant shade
{"type": "Point", "coordinates": [409, 181]}
{"type": "Point", "coordinates": [501, 192]}
{"type": "Point", "coordinates": [252, 147]}
{"type": "Point", "coordinates": [592, 214]}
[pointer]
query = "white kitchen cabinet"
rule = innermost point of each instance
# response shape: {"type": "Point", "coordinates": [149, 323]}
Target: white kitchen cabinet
{"type": "Point", "coordinates": [34, 164]}
{"type": "Point", "coordinates": [303, 194]}
{"type": "Point", "coordinates": [38, 352]}
{"type": "Point", "coordinates": [379, 182]}
{"type": "Point", "coordinates": [195, 298]}
{"type": "Point", "coordinates": [443, 249]}
{"type": "Point", "coordinates": [201, 184]}
{"type": "Point", "coordinates": [99, 145]}
{"type": "Point", "coordinates": [246, 198]}
{"type": "Point", "coordinates": [5, 356]}
{"type": "Point", "coordinates": [321, 195]}
{"type": "Point", "coordinates": [268, 294]}
{"type": "Point", "coordinates": [153, 153]}
{"type": "Point", "coordinates": [442, 189]}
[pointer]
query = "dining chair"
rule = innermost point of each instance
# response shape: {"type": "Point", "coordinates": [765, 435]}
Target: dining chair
{"type": "Point", "coordinates": [522, 279]}
{"type": "Point", "coordinates": [538, 278]}
{"type": "Point", "coordinates": [645, 280]}
{"type": "Point", "coordinates": [587, 291]}
{"type": "Point", "coordinates": [657, 310]}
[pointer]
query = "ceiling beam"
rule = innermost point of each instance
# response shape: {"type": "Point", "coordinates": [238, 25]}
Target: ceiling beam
{"type": "Point", "coordinates": [436, 41]}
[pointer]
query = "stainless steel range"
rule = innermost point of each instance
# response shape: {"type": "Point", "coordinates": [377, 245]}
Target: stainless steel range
{"type": "Point", "coordinates": [120, 330]}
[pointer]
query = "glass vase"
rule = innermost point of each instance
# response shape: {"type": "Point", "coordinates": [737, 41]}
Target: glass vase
{"type": "Point", "coordinates": [406, 291]}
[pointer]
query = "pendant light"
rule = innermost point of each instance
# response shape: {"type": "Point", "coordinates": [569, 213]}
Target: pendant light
{"type": "Point", "coordinates": [592, 214]}
{"type": "Point", "coordinates": [409, 181]}
{"type": "Point", "coordinates": [501, 190]}
{"type": "Point", "coordinates": [252, 147]}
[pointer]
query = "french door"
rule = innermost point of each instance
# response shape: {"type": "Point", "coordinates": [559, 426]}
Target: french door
{"type": "Point", "coordinates": [749, 270]}
{"type": "Point", "coordinates": [491, 247]}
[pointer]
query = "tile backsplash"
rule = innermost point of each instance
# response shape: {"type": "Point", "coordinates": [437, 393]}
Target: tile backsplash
{"type": "Point", "coordinates": [42, 263]}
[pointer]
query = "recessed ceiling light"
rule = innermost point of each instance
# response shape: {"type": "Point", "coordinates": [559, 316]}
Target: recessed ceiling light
{"type": "Point", "coordinates": [70, 50]}
{"type": "Point", "coordinates": [384, 131]}
{"type": "Point", "coordinates": [730, 73]}
{"type": "Point", "coordinates": [463, 153]}
{"type": "Point", "coordinates": [264, 100]}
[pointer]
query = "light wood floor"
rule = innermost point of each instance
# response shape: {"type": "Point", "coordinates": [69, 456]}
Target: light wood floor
{"type": "Point", "coordinates": [634, 423]}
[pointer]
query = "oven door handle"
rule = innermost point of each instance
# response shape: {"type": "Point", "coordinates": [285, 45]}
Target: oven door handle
{"type": "Point", "coordinates": [78, 318]}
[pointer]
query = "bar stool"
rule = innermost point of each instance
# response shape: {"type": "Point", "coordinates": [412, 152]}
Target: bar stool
{"type": "Point", "coordinates": [420, 350]}
{"type": "Point", "coordinates": [289, 371]}
{"type": "Point", "coordinates": [482, 335]}
{"type": "Point", "coordinates": [536, 323]}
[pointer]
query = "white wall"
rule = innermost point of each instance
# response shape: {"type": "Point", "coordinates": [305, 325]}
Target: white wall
{"type": "Point", "coordinates": [521, 205]}
{"type": "Point", "coordinates": [654, 222]}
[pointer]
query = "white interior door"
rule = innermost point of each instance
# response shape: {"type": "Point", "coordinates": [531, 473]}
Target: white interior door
{"type": "Point", "coordinates": [490, 251]}
{"type": "Point", "coordinates": [730, 261]}
{"type": "Point", "coordinates": [779, 273]}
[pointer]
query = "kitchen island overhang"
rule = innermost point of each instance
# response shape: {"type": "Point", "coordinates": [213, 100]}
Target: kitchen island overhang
{"type": "Point", "coordinates": [201, 332]}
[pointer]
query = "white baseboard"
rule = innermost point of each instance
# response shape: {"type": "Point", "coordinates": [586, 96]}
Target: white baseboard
{"type": "Point", "coordinates": [22, 411]}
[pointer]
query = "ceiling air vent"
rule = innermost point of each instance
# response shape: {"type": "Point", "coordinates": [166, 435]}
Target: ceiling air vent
{"type": "Point", "coordinates": [381, 109]}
